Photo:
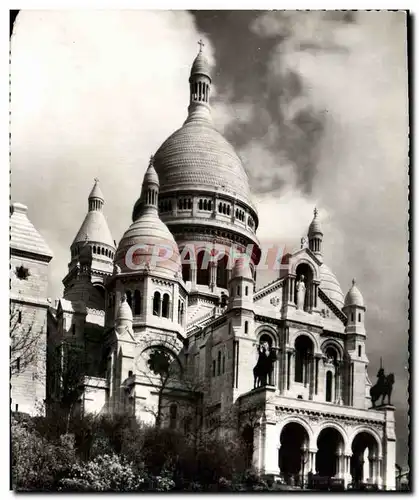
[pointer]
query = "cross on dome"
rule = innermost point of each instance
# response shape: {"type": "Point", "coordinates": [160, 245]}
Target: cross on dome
{"type": "Point", "coordinates": [201, 44]}
{"type": "Point", "coordinates": [315, 211]}
{"type": "Point", "coordinates": [96, 179]}
{"type": "Point", "coordinates": [353, 281]}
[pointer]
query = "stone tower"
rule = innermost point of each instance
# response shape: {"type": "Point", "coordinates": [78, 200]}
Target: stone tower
{"type": "Point", "coordinates": [29, 259]}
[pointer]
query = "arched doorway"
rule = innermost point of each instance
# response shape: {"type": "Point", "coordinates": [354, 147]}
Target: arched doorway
{"type": "Point", "coordinates": [364, 460]}
{"type": "Point", "coordinates": [292, 456]}
{"type": "Point", "coordinates": [329, 457]}
{"type": "Point", "coordinates": [303, 359]}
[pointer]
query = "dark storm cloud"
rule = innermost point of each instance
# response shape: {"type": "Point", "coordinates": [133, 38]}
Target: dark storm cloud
{"type": "Point", "coordinates": [242, 72]}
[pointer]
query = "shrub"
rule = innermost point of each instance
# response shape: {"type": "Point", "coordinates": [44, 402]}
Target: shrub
{"type": "Point", "coordinates": [104, 473]}
{"type": "Point", "coordinates": [38, 464]}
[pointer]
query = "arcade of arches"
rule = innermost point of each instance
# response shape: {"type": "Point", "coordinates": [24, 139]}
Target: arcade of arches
{"type": "Point", "coordinates": [326, 456]}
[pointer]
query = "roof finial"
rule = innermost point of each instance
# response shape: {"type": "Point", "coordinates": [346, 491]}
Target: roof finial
{"type": "Point", "coordinates": [151, 162]}
{"type": "Point", "coordinates": [201, 44]}
{"type": "Point", "coordinates": [315, 211]}
{"type": "Point", "coordinates": [96, 179]}
{"type": "Point", "coordinates": [353, 281]}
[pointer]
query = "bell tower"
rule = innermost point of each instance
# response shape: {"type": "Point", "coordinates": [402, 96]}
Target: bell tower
{"type": "Point", "coordinates": [354, 309]}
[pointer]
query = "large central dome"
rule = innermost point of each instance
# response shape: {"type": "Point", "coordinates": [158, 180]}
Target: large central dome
{"type": "Point", "coordinates": [197, 156]}
{"type": "Point", "coordinates": [204, 196]}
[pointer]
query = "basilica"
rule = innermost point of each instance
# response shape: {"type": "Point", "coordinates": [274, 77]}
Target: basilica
{"type": "Point", "coordinates": [171, 328]}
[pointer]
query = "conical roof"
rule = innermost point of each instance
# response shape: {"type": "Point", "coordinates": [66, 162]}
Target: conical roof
{"type": "Point", "coordinates": [96, 192]}
{"type": "Point", "coordinates": [354, 296]}
{"type": "Point", "coordinates": [315, 226]}
{"type": "Point", "coordinates": [94, 229]}
{"type": "Point", "coordinates": [151, 177]}
{"type": "Point", "coordinates": [23, 235]}
{"type": "Point", "coordinates": [201, 66]}
{"type": "Point", "coordinates": [124, 312]}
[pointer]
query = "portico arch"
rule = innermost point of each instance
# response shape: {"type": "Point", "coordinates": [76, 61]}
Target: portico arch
{"type": "Point", "coordinates": [366, 455]}
{"type": "Point", "coordinates": [339, 428]}
{"type": "Point", "coordinates": [293, 451]}
{"type": "Point", "coordinates": [331, 448]}
{"type": "Point", "coordinates": [300, 421]}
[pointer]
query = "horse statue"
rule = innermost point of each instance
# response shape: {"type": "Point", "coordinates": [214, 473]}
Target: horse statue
{"type": "Point", "coordinates": [383, 387]}
{"type": "Point", "coordinates": [263, 369]}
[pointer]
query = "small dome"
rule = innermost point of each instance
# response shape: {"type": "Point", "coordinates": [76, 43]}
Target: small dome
{"type": "Point", "coordinates": [201, 66]}
{"type": "Point", "coordinates": [151, 177]}
{"type": "Point", "coordinates": [156, 249]}
{"type": "Point", "coordinates": [315, 227]}
{"type": "Point", "coordinates": [96, 192]}
{"type": "Point", "coordinates": [242, 269]}
{"type": "Point", "coordinates": [330, 285]}
{"type": "Point", "coordinates": [354, 296]}
{"type": "Point", "coordinates": [124, 313]}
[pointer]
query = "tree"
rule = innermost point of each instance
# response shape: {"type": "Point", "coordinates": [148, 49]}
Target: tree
{"type": "Point", "coordinates": [26, 345]}
{"type": "Point", "coordinates": [165, 374]}
{"type": "Point", "coordinates": [66, 366]}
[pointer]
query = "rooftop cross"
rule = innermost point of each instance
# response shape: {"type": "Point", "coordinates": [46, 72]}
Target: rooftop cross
{"type": "Point", "coordinates": [315, 211]}
{"type": "Point", "coordinates": [201, 44]}
{"type": "Point", "coordinates": [353, 281]}
{"type": "Point", "coordinates": [96, 180]}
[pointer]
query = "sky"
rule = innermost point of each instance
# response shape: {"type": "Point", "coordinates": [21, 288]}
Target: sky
{"type": "Point", "coordinates": [315, 104]}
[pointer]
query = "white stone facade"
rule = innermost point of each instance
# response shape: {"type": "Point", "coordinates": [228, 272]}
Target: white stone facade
{"type": "Point", "coordinates": [212, 328]}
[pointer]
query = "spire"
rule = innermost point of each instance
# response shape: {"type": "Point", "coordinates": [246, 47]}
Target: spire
{"type": "Point", "coordinates": [124, 314]}
{"type": "Point", "coordinates": [95, 228]}
{"type": "Point", "coordinates": [199, 87]}
{"type": "Point", "coordinates": [148, 201]}
{"type": "Point", "coordinates": [315, 236]}
{"type": "Point", "coordinates": [96, 199]}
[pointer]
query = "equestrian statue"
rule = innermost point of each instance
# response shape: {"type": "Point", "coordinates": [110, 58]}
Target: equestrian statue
{"type": "Point", "coordinates": [262, 372]}
{"type": "Point", "coordinates": [383, 387]}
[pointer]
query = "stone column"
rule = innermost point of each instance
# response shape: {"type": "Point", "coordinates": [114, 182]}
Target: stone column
{"type": "Point", "coordinates": [340, 464]}
{"type": "Point", "coordinates": [270, 449]}
{"type": "Point", "coordinates": [347, 477]}
{"type": "Point", "coordinates": [193, 272]}
{"type": "Point", "coordinates": [291, 289]}
{"type": "Point", "coordinates": [312, 378]}
{"type": "Point", "coordinates": [291, 369]}
{"type": "Point", "coordinates": [316, 374]}
{"type": "Point", "coordinates": [379, 474]}
{"type": "Point", "coordinates": [284, 381]}
{"type": "Point", "coordinates": [213, 275]}
{"type": "Point", "coordinates": [194, 206]}
{"type": "Point", "coordinates": [312, 461]}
